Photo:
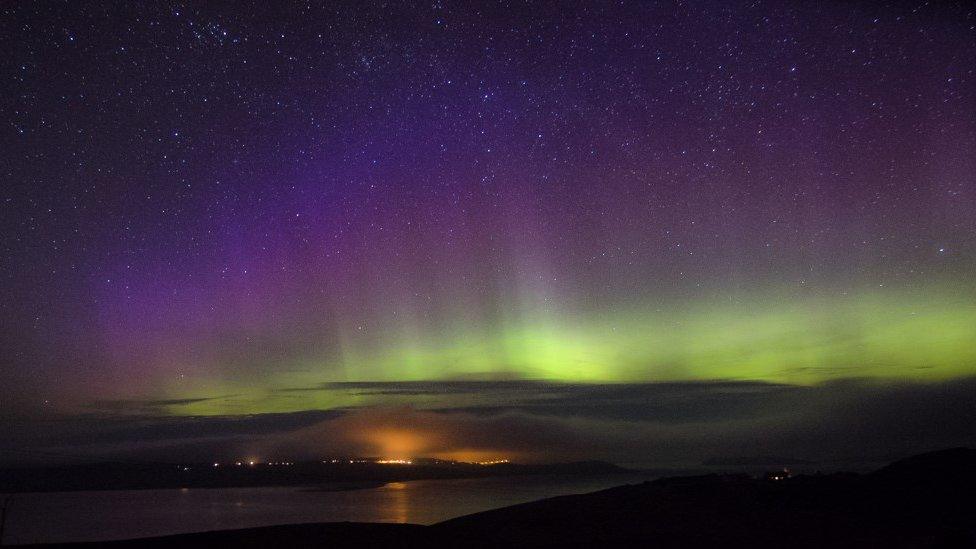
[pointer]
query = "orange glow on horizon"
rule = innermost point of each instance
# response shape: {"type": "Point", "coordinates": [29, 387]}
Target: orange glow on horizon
{"type": "Point", "coordinates": [402, 434]}
{"type": "Point", "coordinates": [473, 456]}
{"type": "Point", "coordinates": [397, 444]}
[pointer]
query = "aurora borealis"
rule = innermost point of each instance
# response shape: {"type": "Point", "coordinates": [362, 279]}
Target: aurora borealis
{"type": "Point", "coordinates": [477, 213]}
{"type": "Point", "coordinates": [804, 342]}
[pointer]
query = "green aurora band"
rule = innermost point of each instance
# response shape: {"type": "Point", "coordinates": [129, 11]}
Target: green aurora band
{"type": "Point", "coordinates": [905, 336]}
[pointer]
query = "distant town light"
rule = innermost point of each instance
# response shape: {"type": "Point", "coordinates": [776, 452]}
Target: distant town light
{"type": "Point", "coordinates": [493, 462]}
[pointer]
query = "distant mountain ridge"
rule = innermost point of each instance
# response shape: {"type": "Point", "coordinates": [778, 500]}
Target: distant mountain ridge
{"type": "Point", "coordinates": [755, 461]}
{"type": "Point", "coordinates": [960, 463]}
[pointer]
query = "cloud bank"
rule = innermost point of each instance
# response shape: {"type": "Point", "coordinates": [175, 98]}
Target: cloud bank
{"type": "Point", "coordinates": [655, 424]}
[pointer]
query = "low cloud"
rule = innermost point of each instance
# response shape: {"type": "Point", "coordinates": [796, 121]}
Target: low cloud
{"type": "Point", "coordinates": [671, 424]}
{"type": "Point", "coordinates": [145, 406]}
{"type": "Point", "coordinates": [658, 424]}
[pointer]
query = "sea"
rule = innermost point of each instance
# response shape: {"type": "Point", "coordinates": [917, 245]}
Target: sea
{"type": "Point", "coordinates": [51, 517]}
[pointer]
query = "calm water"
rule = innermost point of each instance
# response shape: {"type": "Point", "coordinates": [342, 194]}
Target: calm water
{"type": "Point", "coordinates": [93, 516]}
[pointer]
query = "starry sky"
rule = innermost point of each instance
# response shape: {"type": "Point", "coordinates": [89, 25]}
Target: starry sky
{"type": "Point", "coordinates": [464, 223]}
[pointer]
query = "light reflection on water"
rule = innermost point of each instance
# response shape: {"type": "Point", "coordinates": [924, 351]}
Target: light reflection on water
{"type": "Point", "coordinates": [400, 494]}
{"type": "Point", "coordinates": [93, 516]}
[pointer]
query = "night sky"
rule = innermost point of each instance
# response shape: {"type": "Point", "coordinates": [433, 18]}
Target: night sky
{"type": "Point", "coordinates": [638, 231]}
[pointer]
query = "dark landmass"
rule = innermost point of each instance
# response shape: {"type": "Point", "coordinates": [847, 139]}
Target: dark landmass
{"type": "Point", "coordinates": [757, 461]}
{"type": "Point", "coordinates": [341, 475]}
{"type": "Point", "coordinates": [924, 501]}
